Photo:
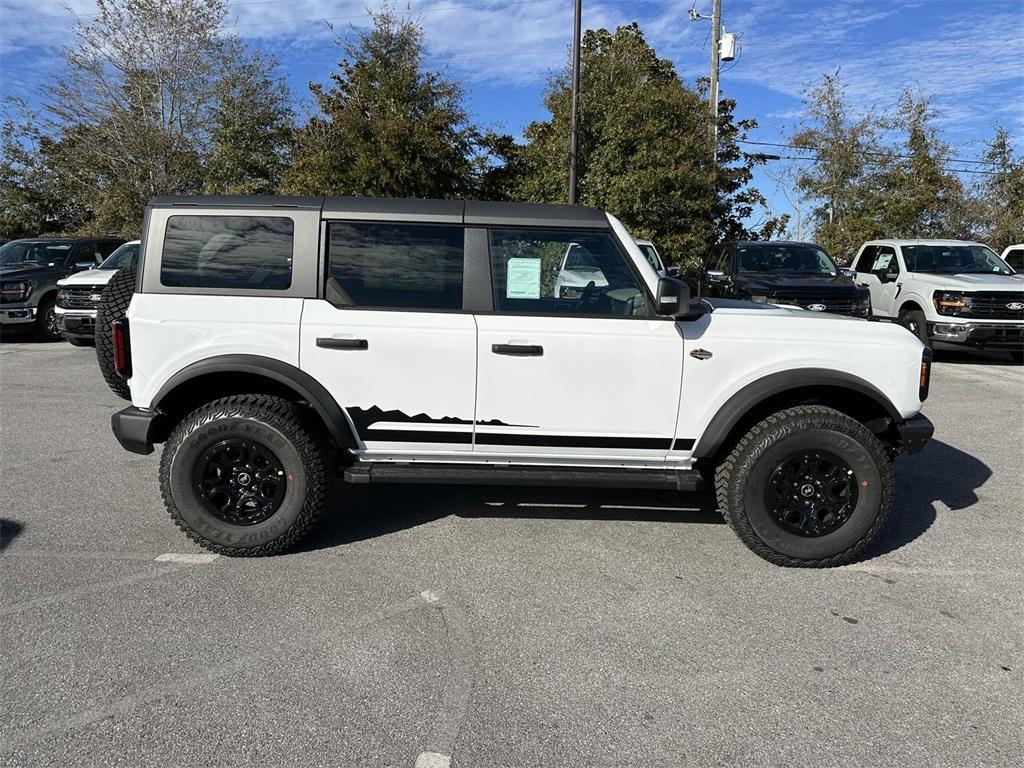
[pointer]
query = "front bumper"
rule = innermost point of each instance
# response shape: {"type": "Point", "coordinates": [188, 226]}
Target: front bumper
{"type": "Point", "coordinates": [914, 433]}
{"type": "Point", "coordinates": [989, 335]}
{"type": "Point", "coordinates": [76, 322]}
{"type": "Point", "coordinates": [134, 429]}
{"type": "Point", "coordinates": [21, 314]}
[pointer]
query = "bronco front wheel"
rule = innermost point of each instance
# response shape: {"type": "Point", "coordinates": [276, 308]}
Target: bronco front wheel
{"type": "Point", "coordinates": [806, 487]}
{"type": "Point", "coordinates": [246, 475]}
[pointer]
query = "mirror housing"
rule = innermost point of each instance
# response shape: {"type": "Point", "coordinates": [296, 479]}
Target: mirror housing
{"type": "Point", "coordinates": [673, 300]}
{"type": "Point", "coordinates": [715, 275]}
{"type": "Point", "coordinates": [673, 271]}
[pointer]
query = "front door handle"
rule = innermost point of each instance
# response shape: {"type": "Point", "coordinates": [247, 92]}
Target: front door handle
{"type": "Point", "coordinates": [518, 350]}
{"type": "Point", "coordinates": [329, 343]}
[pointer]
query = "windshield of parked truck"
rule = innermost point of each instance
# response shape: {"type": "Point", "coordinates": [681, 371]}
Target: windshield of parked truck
{"type": "Point", "coordinates": [784, 258]}
{"type": "Point", "coordinates": [125, 256]}
{"type": "Point", "coordinates": [652, 256]}
{"type": "Point", "coordinates": [33, 253]}
{"type": "Point", "coordinates": [954, 259]}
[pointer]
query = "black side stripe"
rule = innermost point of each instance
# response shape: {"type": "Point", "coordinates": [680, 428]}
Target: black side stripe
{"type": "Point", "coordinates": [417, 436]}
{"type": "Point", "coordinates": [542, 441]}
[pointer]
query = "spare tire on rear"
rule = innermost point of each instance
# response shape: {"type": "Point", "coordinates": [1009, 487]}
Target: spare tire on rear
{"type": "Point", "coordinates": [114, 301]}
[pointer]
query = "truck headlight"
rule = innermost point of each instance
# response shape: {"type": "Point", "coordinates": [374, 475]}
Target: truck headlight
{"type": "Point", "coordinates": [949, 302]}
{"type": "Point", "coordinates": [18, 291]}
{"type": "Point", "coordinates": [862, 307]}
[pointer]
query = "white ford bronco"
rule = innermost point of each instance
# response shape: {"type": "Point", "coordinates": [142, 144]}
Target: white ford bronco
{"type": "Point", "coordinates": [274, 344]}
{"type": "Point", "coordinates": [946, 292]}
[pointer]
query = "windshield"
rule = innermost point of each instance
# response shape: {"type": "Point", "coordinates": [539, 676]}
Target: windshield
{"type": "Point", "coordinates": [954, 259]}
{"type": "Point", "coordinates": [125, 256]}
{"type": "Point", "coordinates": [33, 253]}
{"type": "Point", "coordinates": [652, 256]}
{"type": "Point", "coordinates": [781, 258]}
{"type": "Point", "coordinates": [579, 259]}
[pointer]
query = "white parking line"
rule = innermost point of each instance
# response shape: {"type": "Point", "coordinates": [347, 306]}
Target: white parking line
{"type": "Point", "coordinates": [433, 760]}
{"type": "Point", "coordinates": [184, 557]}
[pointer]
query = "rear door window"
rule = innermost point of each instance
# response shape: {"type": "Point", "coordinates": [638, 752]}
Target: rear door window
{"type": "Point", "coordinates": [396, 266]}
{"type": "Point", "coordinates": [242, 252]}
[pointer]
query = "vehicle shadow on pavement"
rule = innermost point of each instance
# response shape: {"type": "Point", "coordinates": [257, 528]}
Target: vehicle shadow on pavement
{"type": "Point", "coordinates": [355, 513]}
{"type": "Point", "coordinates": [9, 530]}
{"type": "Point", "coordinates": [940, 473]}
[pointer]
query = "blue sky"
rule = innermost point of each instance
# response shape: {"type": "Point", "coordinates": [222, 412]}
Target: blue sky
{"type": "Point", "coordinates": [969, 56]}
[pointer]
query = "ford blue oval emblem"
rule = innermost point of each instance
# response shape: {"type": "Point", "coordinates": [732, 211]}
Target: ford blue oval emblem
{"type": "Point", "coordinates": [1016, 306]}
{"type": "Point", "coordinates": [816, 307]}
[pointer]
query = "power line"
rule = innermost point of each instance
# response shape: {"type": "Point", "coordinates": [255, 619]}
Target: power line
{"type": "Point", "coordinates": [891, 155]}
{"type": "Point", "coordinates": [812, 159]}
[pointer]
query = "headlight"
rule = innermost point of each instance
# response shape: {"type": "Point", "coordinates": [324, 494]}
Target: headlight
{"type": "Point", "coordinates": [862, 308]}
{"type": "Point", "coordinates": [15, 291]}
{"type": "Point", "coordinates": [949, 302]}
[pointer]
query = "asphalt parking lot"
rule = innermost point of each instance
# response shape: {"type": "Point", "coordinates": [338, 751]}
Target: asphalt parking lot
{"type": "Point", "coordinates": [502, 627]}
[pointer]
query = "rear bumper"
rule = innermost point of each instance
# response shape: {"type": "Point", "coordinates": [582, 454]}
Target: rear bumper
{"type": "Point", "coordinates": [134, 428]}
{"type": "Point", "coordinates": [914, 433]}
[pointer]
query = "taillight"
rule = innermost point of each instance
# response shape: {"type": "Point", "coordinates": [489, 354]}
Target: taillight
{"type": "Point", "coordinates": [926, 374]}
{"type": "Point", "coordinates": [122, 347]}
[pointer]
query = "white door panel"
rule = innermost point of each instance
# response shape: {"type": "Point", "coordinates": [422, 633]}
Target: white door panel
{"type": "Point", "coordinates": [596, 387]}
{"type": "Point", "coordinates": [410, 388]}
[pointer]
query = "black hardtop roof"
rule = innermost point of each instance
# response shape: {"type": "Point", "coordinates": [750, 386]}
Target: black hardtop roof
{"type": "Point", "coordinates": [408, 209]}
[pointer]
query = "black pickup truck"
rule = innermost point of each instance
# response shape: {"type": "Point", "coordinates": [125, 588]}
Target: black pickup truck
{"type": "Point", "coordinates": [781, 272]}
{"type": "Point", "coordinates": [29, 271]}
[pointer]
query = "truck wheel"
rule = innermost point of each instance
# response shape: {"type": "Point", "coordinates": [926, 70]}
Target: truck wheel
{"type": "Point", "coordinates": [46, 321]}
{"type": "Point", "coordinates": [114, 301]}
{"type": "Point", "coordinates": [807, 487]}
{"type": "Point", "coordinates": [915, 322]}
{"type": "Point", "coordinates": [246, 475]}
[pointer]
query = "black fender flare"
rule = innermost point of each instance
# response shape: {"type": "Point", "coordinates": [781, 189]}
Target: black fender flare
{"type": "Point", "coordinates": [755, 393]}
{"type": "Point", "coordinates": [311, 390]}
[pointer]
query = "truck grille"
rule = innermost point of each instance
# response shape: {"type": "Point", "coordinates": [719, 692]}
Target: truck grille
{"type": "Point", "coordinates": [835, 306]}
{"type": "Point", "coordinates": [80, 296]}
{"type": "Point", "coordinates": [992, 305]}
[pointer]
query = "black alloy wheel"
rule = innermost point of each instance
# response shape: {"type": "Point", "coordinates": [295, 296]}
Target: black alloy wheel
{"type": "Point", "coordinates": [240, 481]}
{"type": "Point", "coordinates": [811, 493]}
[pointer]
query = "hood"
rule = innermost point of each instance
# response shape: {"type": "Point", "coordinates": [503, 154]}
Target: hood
{"type": "Point", "coordinates": [755, 310]}
{"type": "Point", "coordinates": [768, 283]}
{"type": "Point", "coordinates": [582, 277]}
{"type": "Point", "coordinates": [29, 273]}
{"type": "Point", "coordinates": [89, 277]}
{"type": "Point", "coordinates": [981, 281]}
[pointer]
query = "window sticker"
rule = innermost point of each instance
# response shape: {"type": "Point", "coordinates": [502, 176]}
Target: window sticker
{"type": "Point", "coordinates": [522, 279]}
{"type": "Point", "coordinates": [882, 262]}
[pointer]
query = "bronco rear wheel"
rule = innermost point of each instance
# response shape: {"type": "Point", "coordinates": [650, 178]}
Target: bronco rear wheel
{"type": "Point", "coordinates": [806, 487]}
{"type": "Point", "coordinates": [246, 475]}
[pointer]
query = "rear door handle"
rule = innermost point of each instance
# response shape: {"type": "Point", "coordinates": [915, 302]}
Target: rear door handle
{"type": "Point", "coordinates": [329, 343]}
{"type": "Point", "coordinates": [518, 350]}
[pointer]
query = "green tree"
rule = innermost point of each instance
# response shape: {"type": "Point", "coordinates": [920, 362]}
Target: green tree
{"type": "Point", "coordinates": [251, 132]}
{"type": "Point", "coordinates": [1002, 193]}
{"type": "Point", "coordinates": [385, 125]}
{"type": "Point", "coordinates": [644, 150]}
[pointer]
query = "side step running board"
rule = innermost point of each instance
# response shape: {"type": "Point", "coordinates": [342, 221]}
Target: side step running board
{"type": "Point", "coordinates": [479, 474]}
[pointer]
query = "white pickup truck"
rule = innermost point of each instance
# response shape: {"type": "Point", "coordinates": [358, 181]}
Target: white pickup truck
{"type": "Point", "coordinates": [272, 344]}
{"type": "Point", "coordinates": [946, 292]}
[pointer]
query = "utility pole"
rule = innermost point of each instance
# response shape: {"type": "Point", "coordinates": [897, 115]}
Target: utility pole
{"type": "Point", "coordinates": [574, 127]}
{"type": "Point", "coordinates": [716, 34]}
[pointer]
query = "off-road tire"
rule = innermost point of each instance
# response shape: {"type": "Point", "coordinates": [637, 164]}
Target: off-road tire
{"type": "Point", "coordinates": [78, 341]}
{"type": "Point", "coordinates": [46, 321]}
{"type": "Point", "coordinates": [914, 320]}
{"type": "Point", "coordinates": [114, 301]}
{"type": "Point", "coordinates": [289, 431]}
{"type": "Point", "coordinates": [741, 479]}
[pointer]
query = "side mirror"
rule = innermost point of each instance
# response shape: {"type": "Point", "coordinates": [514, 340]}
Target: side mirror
{"type": "Point", "coordinates": [673, 300]}
{"type": "Point", "coordinates": [81, 266]}
{"type": "Point", "coordinates": [715, 275]}
{"type": "Point", "coordinates": [888, 276]}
